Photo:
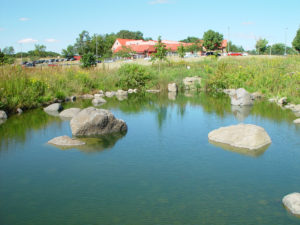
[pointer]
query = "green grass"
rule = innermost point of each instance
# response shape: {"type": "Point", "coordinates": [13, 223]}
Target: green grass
{"type": "Point", "coordinates": [31, 87]}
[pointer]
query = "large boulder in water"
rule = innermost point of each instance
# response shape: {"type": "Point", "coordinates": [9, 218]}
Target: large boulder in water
{"type": "Point", "coordinates": [245, 136]}
{"type": "Point", "coordinates": [172, 87]}
{"type": "Point", "coordinates": [93, 122]}
{"type": "Point", "coordinates": [69, 113]}
{"type": "Point", "coordinates": [292, 203]}
{"type": "Point", "coordinates": [241, 97]}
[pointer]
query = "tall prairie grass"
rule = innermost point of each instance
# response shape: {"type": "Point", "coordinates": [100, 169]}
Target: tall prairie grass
{"type": "Point", "coordinates": [31, 87]}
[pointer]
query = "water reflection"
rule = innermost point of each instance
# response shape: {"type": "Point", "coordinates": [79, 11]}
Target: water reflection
{"type": "Point", "coordinates": [241, 112]}
{"type": "Point", "coordinates": [243, 151]}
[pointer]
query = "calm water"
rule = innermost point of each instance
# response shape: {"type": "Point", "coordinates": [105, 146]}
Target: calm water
{"type": "Point", "coordinates": [163, 171]}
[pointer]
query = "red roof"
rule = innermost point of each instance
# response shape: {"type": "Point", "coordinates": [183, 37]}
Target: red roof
{"type": "Point", "coordinates": [123, 41]}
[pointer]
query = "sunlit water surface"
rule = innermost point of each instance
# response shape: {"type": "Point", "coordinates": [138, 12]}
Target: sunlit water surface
{"type": "Point", "coordinates": [163, 171]}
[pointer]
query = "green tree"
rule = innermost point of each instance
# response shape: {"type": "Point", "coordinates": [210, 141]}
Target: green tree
{"type": "Point", "coordinates": [190, 40]}
{"type": "Point", "coordinates": [88, 60]}
{"type": "Point", "coordinates": [212, 40]}
{"type": "Point", "coordinates": [160, 52]}
{"type": "Point", "coordinates": [261, 46]}
{"type": "Point", "coordinates": [6, 59]}
{"type": "Point", "coordinates": [125, 52]}
{"type": "Point", "coordinates": [9, 50]}
{"type": "Point", "coordinates": [278, 49]}
{"type": "Point", "coordinates": [181, 51]}
{"type": "Point", "coordinates": [126, 34]}
{"type": "Point", "coordinates": [39, 50]}
{"type": "Point", "coordinates": [69, 52]}
{"type": "Point", "coordinates": [82, 43]}
{"type": "Point", "coordinates": [235, 48]}
{"type": "Point", "coordinates": [296, 41]}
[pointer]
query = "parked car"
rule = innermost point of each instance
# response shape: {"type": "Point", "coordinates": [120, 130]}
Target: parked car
{"type": "Point", "coordinates": [211, 53]}
{"type": "Point", "coordinates": [235, 54]}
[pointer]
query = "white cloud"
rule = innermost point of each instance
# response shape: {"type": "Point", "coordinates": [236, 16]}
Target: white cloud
{"type": "Point", "coordinates": [51, 40]}
{"type": "Point", "coordinates": [24, 19]}
{"type": "Point", "coordinates": [27, 41]}
{"type": "Point", "coordinates": [247, 23]}
{"type": "Point", "coordinates": [154, 2]}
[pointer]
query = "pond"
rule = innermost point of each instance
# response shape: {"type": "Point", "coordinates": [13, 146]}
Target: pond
{"type": "Point", "coordinates": [163, 171]}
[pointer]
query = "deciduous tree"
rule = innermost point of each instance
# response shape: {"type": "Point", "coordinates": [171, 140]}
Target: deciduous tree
{"type": "Point", "coordinates": [212, 40]}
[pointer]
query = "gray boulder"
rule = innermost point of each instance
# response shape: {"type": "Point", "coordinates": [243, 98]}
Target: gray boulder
{"type": "Point", "coordinates": [92, 122]}
{"type": "Point", "coordinates": [19, 111]}
{"type": "Point", "coordinates": [69, 113]}
{"type": "Point", "coordinates": [246, 136]}
{"type": "Point", "coordinates": [3, 115]}
{"type": "Point", "coordinates": [65, 141]}
{"type": "Point", "coordinates": [241, 97]}
{"type": "Point", "coordinates": [99, 95]}
{"type": "Point", "coordinates": [172, 87]}
{"type": "Point", "coordinates": [191, 82]}
{"type": "Point", "coordinates": [110, 94]}
{"type": "Point", "coordinates": [292, 203]}
{"type": "Point", "coordinates": [121, 93]}
{"type": "Point", "coordinates": [55, 107]}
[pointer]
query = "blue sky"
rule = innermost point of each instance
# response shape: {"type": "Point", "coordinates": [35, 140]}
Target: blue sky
{"type": "Point", "coordinates": [57, 23]}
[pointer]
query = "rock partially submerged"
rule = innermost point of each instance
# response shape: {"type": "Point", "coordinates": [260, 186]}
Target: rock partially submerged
{"type": "Point", "coordinates": [3, 116]}
{"type": "Point", "coordinates": [172, 87]}
{"type": "Point", "coordinates": [292, 203]}
{"type": "Point", "coordinates": [69, 113]}
{"type": "Point", "coordinates": [53, 109]}
{"type": "Point", "coordinates": [65, 141]}
{"type": "Point", "coordinates": [110, 94]}
{"type": "Point", "coordinates": [245, 136]}
{"type": "Point", "coordinates": [93, 122]}
{"type": "Point", "coordinates": [241, 97]}
{"type": "Point", "coordinates": [191, 82]}
{"type": "Point", "coordinates": [153, 91]}
{"type": "Point", "coordinates": [98, 101]}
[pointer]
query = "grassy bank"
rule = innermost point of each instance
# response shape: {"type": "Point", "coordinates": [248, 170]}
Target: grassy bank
{"type": "Point", "coordinates": [31, 87]}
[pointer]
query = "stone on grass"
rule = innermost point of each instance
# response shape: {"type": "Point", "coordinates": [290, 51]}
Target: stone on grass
{"type": "Point", "coordinates": [69, 113]}
{"type": "Point", "coordinates": [241, 97]}
{"type": "Point", "coordinates": [297, 121]}
{"type": "Point", "coordinates": [92, 122]}
{"type": "Point", "coordinates": [282, 101]}
{"type": "Point", "coordinates": [191, 82]}
{"type": "Point", "coordinates": [65, 141]}
{"type": "Point", "coordinates": [99, 95]}
{"type": "Point", "coordinates": [110, 94]}
{"type": "Point", "coordinates": [121, 93]}
{"type": "Point", "coordinates": [292, 203]}
{"type": "Point", "coordinates": [172, 87]}
{"type": "Point", "coordinates": [246, 136]}
{"type": "Point", "coordinates": [87, 96]}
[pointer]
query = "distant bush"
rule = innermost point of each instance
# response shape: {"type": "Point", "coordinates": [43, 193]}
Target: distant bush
{"type": "Point", "coordinates": [88, 60]}
{"type": "Point", "coordinates": [133, 76]}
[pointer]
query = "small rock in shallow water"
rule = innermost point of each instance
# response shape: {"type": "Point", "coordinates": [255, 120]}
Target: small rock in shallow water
{"type": "Point", "coordinates": [19, 111]}
{"type": "Point", "coordinates": [54, 107]}
{"type": "Point", "coordinates": [292, 203]}
{"type": "Point", "coordinates": [241, 97]}
{"type": "Point", "coordinates": [98, 101]}
{"type": "Point", "coordinates": [3, 115]}
{"type": "Point", "coordinates": [65, 141]}
{"type": "Point", "coordinates": [69, 113]}
{"type": "Point", "coordinates": [297, 121]}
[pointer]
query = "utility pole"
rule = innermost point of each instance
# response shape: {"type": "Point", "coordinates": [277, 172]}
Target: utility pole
{"type": "Point", "coordinates": [285, 41]}
{"type": "Point", "coordinates": [228, 40]}
{"type": "Point", "coordinates": [96, 47]}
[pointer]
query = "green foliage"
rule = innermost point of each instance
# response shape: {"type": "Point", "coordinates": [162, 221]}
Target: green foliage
{"type": "Point", "coordinates": [212, 40]}
{"type": "Point", "coordinates": [88, 60]}
{"type": "Point", "coordinates": [190, 40]}
{"type": "Point", "coordinates": [160, 52]}
{"type": "Point", "coordinates": [69, 52]}
{"type": "Point", "coordinates": [181, 51]}
{"type": "Point", "coordinates": [82, 44]}
{"type": "Point", "coordinates": [296, 41]}
{"type": "Point", "coordinates": [234, 48]}
{"type": "Point", "coordinates": [133, 76]}
{"type": "Point", "coordinates": [9, 50]}
{"type": "Point", "coordinates": [261, 46]}
{"type": "Point", "coordinates": [126, 34]}
{"type": "Point", "coordinates": [125, 52]}
{"type": "Point", "coordinates": [6, 59]}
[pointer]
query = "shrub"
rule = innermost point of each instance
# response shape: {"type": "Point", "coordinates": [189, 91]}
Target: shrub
{"type": "Point", "coordinates": [133, 76]}
{"type": "Point", "coordinates": [88, 60]}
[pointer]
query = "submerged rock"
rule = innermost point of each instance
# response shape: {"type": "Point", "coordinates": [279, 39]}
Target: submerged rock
{"type": "Point", "coordinates": [93, 122]}
{"type": "Point", "coordinates": [69, 113]}
{"type": "Point", "coordinates": [110, 94]}
{"type": "Point", "coordinates": [87, 96]}
{"type": "Point", "coordinates": [191, 82]}
{"type": "Point", "coordinates": [246, 136]}
{"type": "Point", "coordinates": [172, 87]}
{"type": "Point", "coordinates": [241, 97]}
{"type": "Point", "coordinates": [292, 203]}
{"type": "Point", "coordinates": [65, 141]}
